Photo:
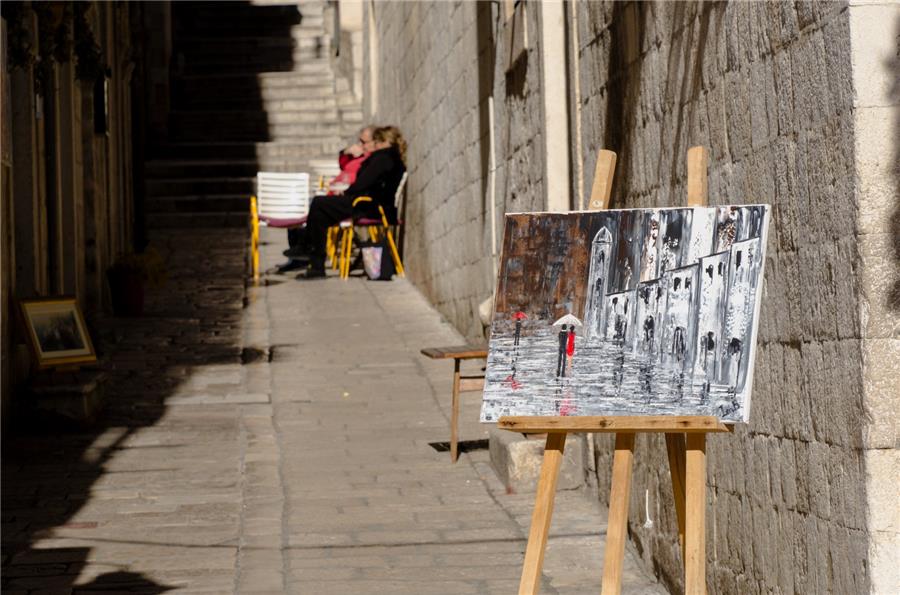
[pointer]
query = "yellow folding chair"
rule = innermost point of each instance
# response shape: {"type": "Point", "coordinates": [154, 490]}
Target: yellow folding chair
{"type": "Point", "coordinates": [375, 227]}
{"type": "Point", "coordinates": [254, 240]}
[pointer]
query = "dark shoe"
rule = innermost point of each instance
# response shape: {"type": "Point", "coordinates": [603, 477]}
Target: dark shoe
{"type": "Point", "coordinates": [291, 265]}
{"type": "Point", "coordinates": [312, 273]}
{"type": "Point", "coordinates": [357, 264]}
{"type": "Point", "coordinates": [296, 251]}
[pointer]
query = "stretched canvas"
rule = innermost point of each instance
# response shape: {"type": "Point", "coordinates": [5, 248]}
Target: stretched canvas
{"type": "Point", "coordinates": [627, 312]}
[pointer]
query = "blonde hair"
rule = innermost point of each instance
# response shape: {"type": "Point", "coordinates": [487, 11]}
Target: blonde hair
{"type": "Point", "coordinates": [392, 135]}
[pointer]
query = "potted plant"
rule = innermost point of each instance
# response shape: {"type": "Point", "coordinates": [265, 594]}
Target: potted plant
{"type": "Point", "coordinates": [127, 278]}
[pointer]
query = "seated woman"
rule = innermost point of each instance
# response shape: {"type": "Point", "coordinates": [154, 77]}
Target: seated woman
{"type": "Point", "coordinates": [377, 179]}
{"type": "Point", "coordinates": [350, 161]}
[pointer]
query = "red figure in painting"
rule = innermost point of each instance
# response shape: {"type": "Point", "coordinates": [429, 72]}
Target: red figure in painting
{"type": "Point", "coordinates": [512, 382]}
{"type": "Point", "coordinates": [519, 316]}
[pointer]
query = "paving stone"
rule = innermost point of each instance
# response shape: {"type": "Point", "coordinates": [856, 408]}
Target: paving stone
{"type": "Point", "coordinates": [313, 476]}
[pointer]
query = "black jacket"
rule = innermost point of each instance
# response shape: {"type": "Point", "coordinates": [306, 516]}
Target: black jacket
{"type": "Point", "coordinates": [378, 177]}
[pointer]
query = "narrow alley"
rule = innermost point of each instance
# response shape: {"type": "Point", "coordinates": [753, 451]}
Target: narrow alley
{"type": "Point", "coordinates": [175, 418]}
{"type": "Point", "coordinates": [281, 447]}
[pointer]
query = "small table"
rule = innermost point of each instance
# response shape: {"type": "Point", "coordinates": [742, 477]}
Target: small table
{"type": "Point", "coordinates": [460, 383]}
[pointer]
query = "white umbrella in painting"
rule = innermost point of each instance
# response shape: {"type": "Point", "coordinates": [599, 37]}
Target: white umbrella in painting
{"type": "Point", "coordinates": [568, 319]}
{"type": "Point", "coordinates": [566, 343]}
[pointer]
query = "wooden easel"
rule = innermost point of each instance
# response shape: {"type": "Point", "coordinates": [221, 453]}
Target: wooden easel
{"type": "Point", "coordinates": [685, 442]}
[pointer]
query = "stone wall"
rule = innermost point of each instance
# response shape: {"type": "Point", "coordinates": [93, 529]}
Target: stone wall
{"type": "Point", "coordinates": [875, 42]}
{"type": "Point", "coordinates": [439, 62]}
{"type": "Point", "coordinates": [802, 499]}
{"type": "Point", "coordinates": [768, 88]}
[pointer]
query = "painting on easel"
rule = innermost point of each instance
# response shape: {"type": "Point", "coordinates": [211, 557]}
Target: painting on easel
{"type": "Point", "coordinates": [627, 312]}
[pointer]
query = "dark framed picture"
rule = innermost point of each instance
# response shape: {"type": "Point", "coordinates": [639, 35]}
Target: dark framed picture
{"type": "Point", "coordinates": [57, 334]}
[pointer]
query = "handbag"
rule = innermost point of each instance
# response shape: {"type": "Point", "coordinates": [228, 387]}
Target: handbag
{"type": "Point", "coordinates": [377, 260]}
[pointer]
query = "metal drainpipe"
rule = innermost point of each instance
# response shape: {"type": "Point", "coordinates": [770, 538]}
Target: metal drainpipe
{"type": "Point", "coordinates": [492, 184]}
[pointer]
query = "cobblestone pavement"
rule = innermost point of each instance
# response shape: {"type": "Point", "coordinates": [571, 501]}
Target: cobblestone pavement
{"type": "Point", "coordinates": [277, 441]}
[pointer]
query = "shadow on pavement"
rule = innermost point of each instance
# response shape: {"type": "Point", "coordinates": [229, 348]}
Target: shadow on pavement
{"type": "Point", "coordinates": [50, 469]}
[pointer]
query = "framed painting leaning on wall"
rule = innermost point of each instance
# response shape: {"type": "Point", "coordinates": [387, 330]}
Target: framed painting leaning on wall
{"type": "Point", "coordinates": [56, 332]}
{"type": "Point", "coordinates": [627, 312]}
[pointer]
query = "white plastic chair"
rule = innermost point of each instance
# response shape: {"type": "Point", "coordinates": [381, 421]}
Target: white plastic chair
{"type": "Point", "coordinates": [282, 201]}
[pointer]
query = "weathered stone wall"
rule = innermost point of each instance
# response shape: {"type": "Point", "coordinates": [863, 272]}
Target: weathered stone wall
{"type": "Point", "coordinates": [438, 63]}
{"type": "Point", "coordinates": [802, 499]}
{"type": "Point", "coordinates": [875, 44]}
{"type": "Point", "coordinates": [768, 88]}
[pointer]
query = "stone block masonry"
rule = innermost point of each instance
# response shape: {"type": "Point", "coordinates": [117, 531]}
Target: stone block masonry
{"type": "Point", "coordinates": [797, 103]}
{"type": "Point", "coordinates": [439, 64]}
{"type": "Point", "coordinates": [768, 89]}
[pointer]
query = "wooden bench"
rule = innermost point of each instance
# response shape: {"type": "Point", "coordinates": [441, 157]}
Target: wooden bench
{"type": "Point", "coordinates": [460, 383]}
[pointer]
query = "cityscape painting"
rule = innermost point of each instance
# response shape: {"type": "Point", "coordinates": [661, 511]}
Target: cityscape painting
{"type": "Point", "coordinates": [627, 312]}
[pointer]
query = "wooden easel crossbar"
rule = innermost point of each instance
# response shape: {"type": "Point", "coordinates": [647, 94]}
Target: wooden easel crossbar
{"type": "Point", "coordinates": [685, 443]}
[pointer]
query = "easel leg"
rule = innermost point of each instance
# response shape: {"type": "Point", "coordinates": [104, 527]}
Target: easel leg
{"type": "Point", "coordinates": [695, 516]}
{"type": "Point", "coordinates": [617, 526]}
{"type": "Point", "coordinates": [454, 414]}
{"type": "Point", "coordinates": [675, 447]}
{"type": "Point", "coordinates": [540, 517]}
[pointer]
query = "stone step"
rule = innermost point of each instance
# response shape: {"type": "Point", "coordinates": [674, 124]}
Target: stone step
{"type": "Point", "coordinates": [302, 148]}
{"type": "Point", "coordinates": [226, 10]}
{"type": "Point", "coordinates": [244, 48]}
{"type": "Point", "coordinates": [207, 89]}
{"type": "Point", "coordinates": [272, 59]}
{"type": "Point", "coordinates": [284, 135]}
{"type": "Point", "coordinates": [259, 132]}
{"type": "Point", "coordinates": [255, 91]}
{"type": "Point", "coordinates": [302, 65]}
{"type": "Point", "coordinates": [229, 17]}
{"type": "Point", "coordinates": [351, 116]}
{"type": "Point", "coordinates": [231, 23]}
{"type": "Point", "coordinates": [226, 219]}
{"type": "Point", "coordinates": [298, 63]}
{"type": "Point", "coordinates": [250, 103]}
{"type": "Point", "coordinates": [214, 49]}
{"type": "Point", "coordinates": [236, 18]}
{"type": "Point", "coordinates": [319, 117]}
{"type": "Point", "coordinates": [200, 169]}
{"type": "Point", "coordinates": [517, 460]}
{"type": "Point", "coordinates": [348, 101]}
{"type": "Point", "coordinates": [235, 45]}
{"type": "Point", "coordinates": [173, 187]}
{"type": "Point", "coordinates": [254, 61]}
{"type": "Point", "coordinates": [264, 80]}
{"type": "Point", "coordinates": [219, 93]}
{"type": "Point", "coordinates": [214, 203]}
{"type": "Point", "coordinates": [242, 168]}
{"type": "Point", "coordinates": [75, 396]}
